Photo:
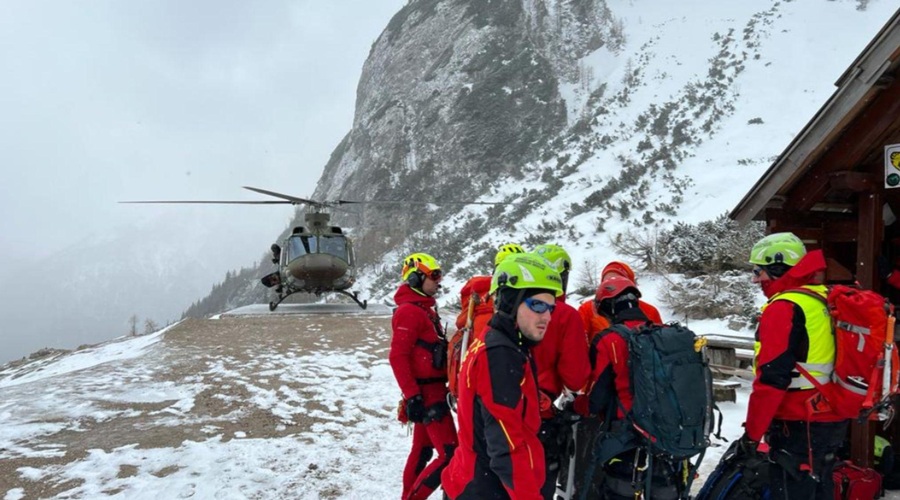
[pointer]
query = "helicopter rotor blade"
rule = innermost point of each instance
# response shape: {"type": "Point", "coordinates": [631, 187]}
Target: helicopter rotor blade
{"type": "Point", "coordinates": [291, 199]}
{"type": "Point", "coordinates": [214, 202]}
{"type": "Point", "coordinates": [417, 202]}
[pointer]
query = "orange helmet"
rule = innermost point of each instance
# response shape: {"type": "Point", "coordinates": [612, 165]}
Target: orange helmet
{"type": "Point", "coordinates": [422, 263]}
{"type": "Point", "coordinates": [614, 286]}
{"type": "Point", "coordinates": [618, 268]}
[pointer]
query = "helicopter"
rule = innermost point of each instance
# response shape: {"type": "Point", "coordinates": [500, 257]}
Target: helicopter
{"type": "Point", "coordinates": [316, 258]}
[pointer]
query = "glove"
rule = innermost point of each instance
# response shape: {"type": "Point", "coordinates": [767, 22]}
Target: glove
{"type": "Point", "coordinates": [415, 409]}
{"type": "Point", "coordinates": [567, 415]}
{"type": "Point", "coordinates": [884, 267]}
{"type": "Point", "coordinates": [747, 446]}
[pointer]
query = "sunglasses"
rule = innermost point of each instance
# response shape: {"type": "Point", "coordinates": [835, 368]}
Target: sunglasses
{"type": "Point", "coordinates": [539, 306]}
{"type": "Point", "coordinates": [757, 271]}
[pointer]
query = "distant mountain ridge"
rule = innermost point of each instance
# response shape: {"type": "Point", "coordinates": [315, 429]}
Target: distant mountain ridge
{"type": "Point", "coordinates": [89, 291]}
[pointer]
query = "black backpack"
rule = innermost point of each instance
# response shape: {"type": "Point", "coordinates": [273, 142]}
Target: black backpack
{"type": "Point", "coordinates": [671, 384]}
{"type": "Point", "coordinates": [737, 477]}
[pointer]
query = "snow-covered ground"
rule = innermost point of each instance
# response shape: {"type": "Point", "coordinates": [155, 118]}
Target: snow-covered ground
{"type": "Point", "coordinates": [252, 406]}
{"type": "Point", "coordinates": [52, 411]}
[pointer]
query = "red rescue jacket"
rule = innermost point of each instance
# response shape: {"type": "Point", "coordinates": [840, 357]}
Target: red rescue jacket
{"type": "Point", "coordinates": [893, 279]}
{"type": "Point", "coordinates": [562, 356]}
{"type": "Point", "coordinates": [783, 342]}
{"type": "Point", "coordinates": [609, 379]}
{"type": "Point", "coordinates": [415, 324]}
{"type": "Point", "coordinates": [499, 453]}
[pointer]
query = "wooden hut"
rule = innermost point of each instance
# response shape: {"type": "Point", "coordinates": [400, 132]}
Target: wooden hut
{"type": "Point", "coordinates": [829, 185]}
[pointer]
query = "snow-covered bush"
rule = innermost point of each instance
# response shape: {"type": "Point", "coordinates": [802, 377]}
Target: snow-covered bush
{"type": "Point", "coordinates": [707, 247]}
{"type": "Point", "coordinates": [728, 295]}
{"type": "Point", "coordinates": [586, 280]}
{"type": "Point", "coordinates": [709, 262]}
{"type": "Point", "coordinates": [706, 265]}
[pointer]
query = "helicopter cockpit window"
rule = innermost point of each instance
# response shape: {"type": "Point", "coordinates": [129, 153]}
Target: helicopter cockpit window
{"type": "Point", "coordinates": [336, 246]}
{"type": "Point", "coordinates": [301, 245]}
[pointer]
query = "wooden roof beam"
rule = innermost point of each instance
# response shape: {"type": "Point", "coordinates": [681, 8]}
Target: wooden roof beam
{"type": "Point", "coordinates": [836, 231]}
{"type": "Point", "coordinates": [825, 213]}
{"type": "Point", "coordinates": [857, 182]}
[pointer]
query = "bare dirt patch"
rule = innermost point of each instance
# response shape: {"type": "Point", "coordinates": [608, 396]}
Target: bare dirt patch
{"type": "Point", "coordinates": [243, 384]}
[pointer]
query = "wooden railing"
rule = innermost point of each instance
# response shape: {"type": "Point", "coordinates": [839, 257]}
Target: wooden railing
{"type": "Point", "coordinates": [729, 356]}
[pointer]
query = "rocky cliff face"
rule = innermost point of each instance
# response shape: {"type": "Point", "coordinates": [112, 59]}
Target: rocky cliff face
{"type": "Point", "coordinates": [586, 120]}
{"type": "Point", "coordinates": [456, 94]}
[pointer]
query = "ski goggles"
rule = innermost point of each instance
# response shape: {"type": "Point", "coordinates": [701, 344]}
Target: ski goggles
{"type": "Point", "coordinates": [539, 306]}
{"type": "Point", "coordinates": [435, 275]}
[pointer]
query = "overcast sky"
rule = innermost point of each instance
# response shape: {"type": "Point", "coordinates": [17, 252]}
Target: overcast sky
{"type": "Point", "coordinates": [111, 100]}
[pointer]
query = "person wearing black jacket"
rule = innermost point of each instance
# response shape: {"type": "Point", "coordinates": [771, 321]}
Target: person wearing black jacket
{"type": "Point", "coordinates": [499, 454]}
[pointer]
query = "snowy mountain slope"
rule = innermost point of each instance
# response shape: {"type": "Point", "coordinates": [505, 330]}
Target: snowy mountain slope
{"type": "Point", "coordinates": [652, 113]}
{"type": "Point", "coordinates": [674, 126]}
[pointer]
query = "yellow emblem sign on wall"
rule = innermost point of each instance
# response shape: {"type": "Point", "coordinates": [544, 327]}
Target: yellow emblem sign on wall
{"type": "Point", "coordinates": [892, 166]}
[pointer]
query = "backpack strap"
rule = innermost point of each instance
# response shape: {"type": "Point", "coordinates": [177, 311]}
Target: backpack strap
{"type": "Point", "coordinates": [619, 328]}
{"type": "Point", "coordinates": [435, 319]}
{"type": "Point", "coordinates": [805, 291]}
{"type": "Point", "coordinates": [427, 345]}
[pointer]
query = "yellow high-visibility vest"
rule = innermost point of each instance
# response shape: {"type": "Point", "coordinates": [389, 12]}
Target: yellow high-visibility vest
{"type": "Point", "coordinates": [820, 358]}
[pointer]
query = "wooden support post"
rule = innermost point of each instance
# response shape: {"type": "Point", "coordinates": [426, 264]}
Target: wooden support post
{"type": "Point", "coordinates": [871, 232]}
{"type": "Point", "coordinates": [868, 242]}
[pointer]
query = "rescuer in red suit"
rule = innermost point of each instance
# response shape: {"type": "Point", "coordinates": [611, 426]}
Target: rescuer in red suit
{"type": "Point", "coordinates": [418, 357]}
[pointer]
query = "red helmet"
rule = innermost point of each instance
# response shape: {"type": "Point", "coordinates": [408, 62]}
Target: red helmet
{"type": "Point", "coordinates": [618, 268]}
{"type": "Point", "coordinates": [614, 286]}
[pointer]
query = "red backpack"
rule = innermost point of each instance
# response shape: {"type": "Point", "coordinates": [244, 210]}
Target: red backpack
{"type": "Point", "coordinates": [856, 483]}
{"type": "Point", "coordinates": [455, 349]}
{"type": "Point", "coordinates": [866, 362]}
{"type": "Point", "coordinates": [478, 312]}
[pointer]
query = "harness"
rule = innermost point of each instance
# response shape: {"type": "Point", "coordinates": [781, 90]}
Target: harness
{"type": "Point", "coordinates": [438, 349]}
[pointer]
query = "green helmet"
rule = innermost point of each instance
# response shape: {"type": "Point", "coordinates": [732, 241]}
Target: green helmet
{"type": "Point", "coordinates": [778, 248]}
{"type": "Point", "coordinates": [505, 251]}
{"type": "Point", "coordinates": [555, 255]}
{"type": "Point", "coordinates": [522, 271]}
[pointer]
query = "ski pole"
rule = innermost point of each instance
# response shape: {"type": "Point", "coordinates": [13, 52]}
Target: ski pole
{"type": "Point", "coordinates": [887, 382]}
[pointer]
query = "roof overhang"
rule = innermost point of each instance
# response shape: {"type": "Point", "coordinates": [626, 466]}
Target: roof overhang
{"type": "Point", "coordinates": [873, 71]}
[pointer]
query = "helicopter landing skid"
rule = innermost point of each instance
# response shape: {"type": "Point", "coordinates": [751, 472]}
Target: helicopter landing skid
{"type": "Point", "coordinates": [353, 296]}
{"type": "Point", "coordinates": [363, 304]}
{"type": "Point", "coordinates": [281, 297]}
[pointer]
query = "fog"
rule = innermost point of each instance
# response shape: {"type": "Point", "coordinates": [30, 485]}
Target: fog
{"type": "Point", "coordinates": [109, 100]}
